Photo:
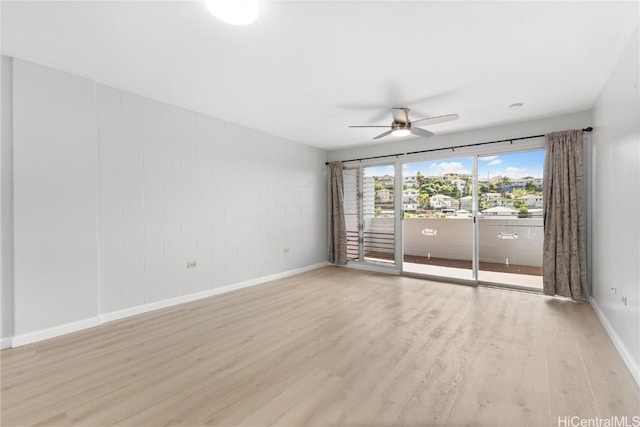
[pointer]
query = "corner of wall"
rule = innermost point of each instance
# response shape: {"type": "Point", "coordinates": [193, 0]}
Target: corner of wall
{"type": "Point", "coordinates": [628, 359]}
{"type": "Point", "coordinates": [6, 203]}
{"type": "Point", "coordinates": [614, 243]}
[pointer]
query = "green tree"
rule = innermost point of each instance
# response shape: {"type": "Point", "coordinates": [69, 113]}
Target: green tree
{"type": "Point", "coordinates": [517, 204]}
{"type": "Point", "coordinates": [423, 201]}
{"type": "Point", "coordinates": [530, 186]}
{"type": "Point", "coordinates": [437, 185]}
{"type": "Point", "coordinates": [517, 193]}
{"type": "Point", "coordinates": [420, 179]}
{"type": "Point", "coordinates": [504, 181]}
{"type": "Point", "coordinates": [523, 212]}
{"type": "Point", "coordinates": [376, 184]}
{"type": "Point", "coordinates": [467, 186]}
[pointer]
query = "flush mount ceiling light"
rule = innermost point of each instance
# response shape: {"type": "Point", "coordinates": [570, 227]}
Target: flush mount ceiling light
{"type": "Point", "coordinates": [400, 132]}
{"type": "Point", "coordinates": [235, 12]}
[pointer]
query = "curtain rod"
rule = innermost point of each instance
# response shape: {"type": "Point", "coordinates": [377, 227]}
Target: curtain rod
{"type": "Point", "coordinates": [589, 129]}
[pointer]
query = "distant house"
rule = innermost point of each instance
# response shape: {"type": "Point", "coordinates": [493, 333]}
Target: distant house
{"type": "Point", "coordinates": [495, 199]}
{"type": "Point", "coordinates": [532, 201]}
{"type": "Point", "coordinates": [466, 203]}
{"type": "Point", "coordinates": [411, 180]}
{"type": "Point", "coordinates": [410, 195]}
{"type": "Point", "coordinates": [500, 211]}
{"type": "Point", "coordinates": [453, 176]}
{"type": "Point", "coordinates": [440, 201]}
{"type": "Point", "coordinates": [538, 182]}
{"type": "Point", "coordinates": [460, 184]}
{"type": "Point", "coordinates": [387, 181]}
{"type": "Point", "coordinates": [502, 202]}
{"type": "Point", "coordinates": [384, 195]}
{"type": "Point", "coordinates": [486, 197]}
{"type": "Point", "coordinates": [516, 184]}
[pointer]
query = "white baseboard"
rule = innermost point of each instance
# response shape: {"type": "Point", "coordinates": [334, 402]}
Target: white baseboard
{"type": "Point", "coordinates": [5, 343]}
{"type": "Point", "coordinates": [44, 334]}
{"type": "Point", "coordinates": [32, 337]}
{"type": "Point", "coordinates": [617, 342]}
{"type": "Point", "coordinates": [120, 314]}
{"type": "Point", "coordinates": [56, 331]}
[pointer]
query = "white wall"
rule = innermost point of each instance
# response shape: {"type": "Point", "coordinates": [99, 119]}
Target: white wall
{"type": "Point", "coordinates": [6, 204]}
{"type": "Point", "coordinates": [616, 231]}
{"type": "Point", "coordinates": [55, 181]}
{"type": "Point", "coordinates": [115, 193]}
{"type": "Point", "coordinates": [177, 187]}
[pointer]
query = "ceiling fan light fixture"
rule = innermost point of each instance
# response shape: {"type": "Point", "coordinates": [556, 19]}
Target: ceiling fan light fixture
{"type": "Point", "coordinates": [400, 132]}
{"type": "Point", "coordinates": [235, 12]}
{"type": "Point", "coordinates": [402, 126]}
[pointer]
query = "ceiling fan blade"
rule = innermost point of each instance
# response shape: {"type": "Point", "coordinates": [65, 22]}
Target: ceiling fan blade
{"type": "Point", "coordinates": [428, 99]}
{"type": "Point", "coordinates": [369, 126]}
{"type": "Point", "coordinates": [434, 120]}
{"type": "Point", "coordinates": [383, 134]}
{"type": "Point", "coordinates": [421, 132]}
{"type": "Point", "coordinates": [400, 115]}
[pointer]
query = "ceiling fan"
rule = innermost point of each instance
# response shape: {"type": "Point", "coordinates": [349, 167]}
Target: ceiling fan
{"type": "Point", "coordinates": [402, 126]}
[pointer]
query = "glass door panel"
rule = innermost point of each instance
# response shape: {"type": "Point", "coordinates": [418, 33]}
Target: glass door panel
{"type": "Point", "coordinates": [510, 225]}
{"type": "Point", "coordinates": [378, 214]}
{"type": "Point", "coordinates": [438, 218]}
{"type": "Point", "coordinates": [352, 212]}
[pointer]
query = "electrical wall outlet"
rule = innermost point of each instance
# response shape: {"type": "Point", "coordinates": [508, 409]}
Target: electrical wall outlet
{"type": "Point", "coordinates": [191, 264]}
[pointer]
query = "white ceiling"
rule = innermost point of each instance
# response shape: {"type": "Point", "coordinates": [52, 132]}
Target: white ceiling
{"type": "Point", "coordinates": [308, 69]}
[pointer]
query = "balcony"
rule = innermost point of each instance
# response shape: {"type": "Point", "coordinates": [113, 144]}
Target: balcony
{"type": "Point", "coordinates": [510, 248]}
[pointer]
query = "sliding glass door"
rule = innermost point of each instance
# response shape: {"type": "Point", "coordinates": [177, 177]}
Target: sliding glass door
{"type": "Point", "coordinates": [475, 219]}
{"type": "Point", "coordinates": [510, 225]}
{"type": "Point", "coordinates": [472, 219]}
{"type": "Point", "coordinates": [438, 218]}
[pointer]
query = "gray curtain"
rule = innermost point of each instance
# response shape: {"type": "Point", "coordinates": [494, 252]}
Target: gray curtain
{"type": "Point", "coordinates": [337, 226]}
{"type": "Point", "coordinates": [564, 250]}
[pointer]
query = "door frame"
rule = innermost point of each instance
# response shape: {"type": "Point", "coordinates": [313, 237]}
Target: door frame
{"type": "Point", "coordinates": [505, 147]}
{"type": "Point", "coordinates": [474, 153]}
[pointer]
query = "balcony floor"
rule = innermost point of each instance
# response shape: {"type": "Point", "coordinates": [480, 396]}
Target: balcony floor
{"type": "Point", "coordinates": [484, 266]}
{"type": "Point", "coordinates": [515, 275]}
{"type": "Point", "coordinates": [497, 277]}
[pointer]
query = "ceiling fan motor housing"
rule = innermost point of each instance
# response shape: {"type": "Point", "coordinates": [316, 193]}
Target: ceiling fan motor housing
{"type": "Point", "coordinates": [397, 126]}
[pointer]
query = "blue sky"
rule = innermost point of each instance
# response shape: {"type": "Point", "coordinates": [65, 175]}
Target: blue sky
{"type": "Point", "coordinates": [514, 165]}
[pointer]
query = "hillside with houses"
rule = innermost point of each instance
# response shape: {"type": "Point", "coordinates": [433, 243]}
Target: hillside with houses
{"type": "Point", "coordinates": [451, 195]}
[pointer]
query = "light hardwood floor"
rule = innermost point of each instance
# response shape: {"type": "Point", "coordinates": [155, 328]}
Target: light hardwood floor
{"type": "Point", "coordinates": [333, 346]}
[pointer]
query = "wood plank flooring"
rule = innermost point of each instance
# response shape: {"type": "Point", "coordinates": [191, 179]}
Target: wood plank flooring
{"type": "Point", "coordinates": [331, 347]}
